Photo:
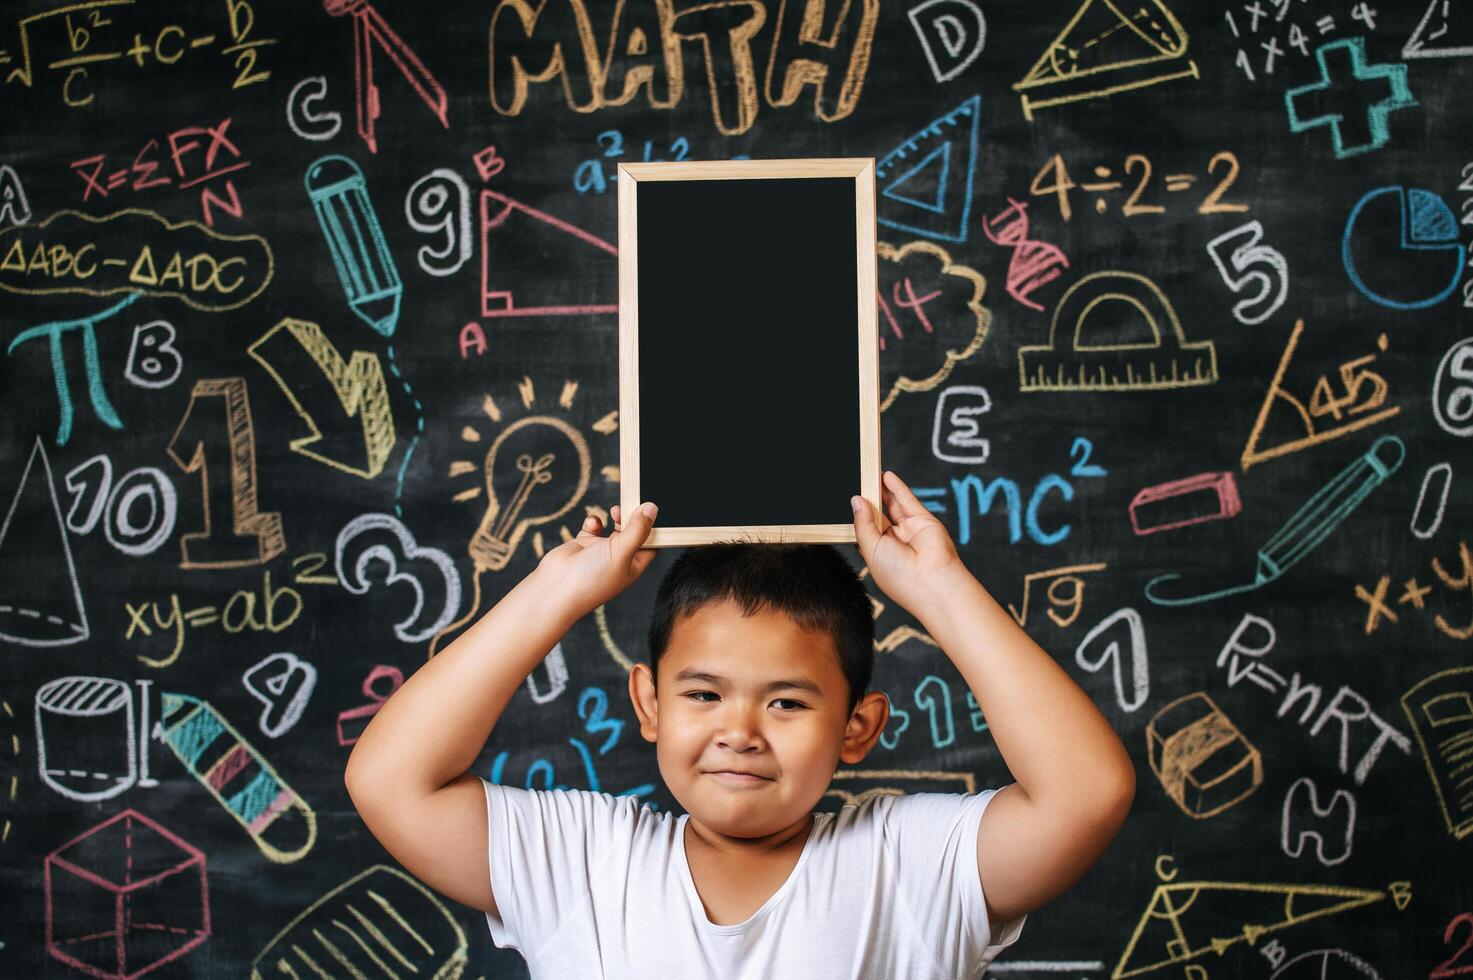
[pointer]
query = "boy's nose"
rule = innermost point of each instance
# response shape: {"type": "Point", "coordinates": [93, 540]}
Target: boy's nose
{"type": "Point", "coordinates": [740, 733]}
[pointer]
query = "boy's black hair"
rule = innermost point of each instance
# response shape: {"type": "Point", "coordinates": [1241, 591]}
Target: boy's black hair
{"type": "Point", "coordinates": [811, 583]}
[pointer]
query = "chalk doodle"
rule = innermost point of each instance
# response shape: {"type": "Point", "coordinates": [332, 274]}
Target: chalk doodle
{"type": "Point", "coordinates": [440, 201]}
{"type": "Point", "coordinates": [1316, 520]}
{"type": "Point", "coordinates": [1342, 99]}
{"type": "Point", "coordinates": [955, 434]}
{"type": "Point", "coordinates": [1104, 50]}
{"type": "Point", "coordinates": [1415, 595]}
{"type": "Point", "coordinates": [181, 144]}
{"type": "Point", "coordinates": [370, 29]}
{"type": "Point", "coordinates": [1362, 404]}
{"type": "Point", "coordinates": [1255, 15]}
{"type": "Point", "coordinates": [1331, 826]}
{"type": "Point", "coordinates": [114, 505]}
{"type": "Point", "coordinates": [1102, 645]}
{"type": "Point", "coordinates": [39, 608]}
{"type": "Point", "coordinates": [114, 882]}
{"type": "Point", "coordinates": [1426, 526]}
{"type": "Point", "coordinates": [89, 746]}
{"type": "Point", "coordinates": [1033, 264]}
{"type": "Point", "coordinates": [1251, 265]}
{"type": "Point", "coordinates": [1445, 31]}
{"type": "Point", "coordinates": [1184, 502]}
{"type": "Point", "coordinates": [358, 389]}
{"type": "Point", "coordinates": [236, 532]}
{"type": "Point", "coordinates": [1439, 709]}
{"type": "Point", "coordinates": [518, 225]}
{"type": "Point", "coordinates": [1203, 762]}
{"type": "Point", "coordinates": [270, 610]}
{"type": "Point", "coordinates": [811, 51]}
{"type": "Point", "coordinates": [1401, 248]}
{"type": "Point", "coordinates": [379, 683]}
{"type": "Point", "coordinates": [305, 121]}
{"type": "Point", "coordinates": [283, 683]}
{"type": "Point", "coordinates": [1152, 351]}
{"type": "Point", "coordinates": [1138, 165]}
{"type": "Point", "coordinates": [14, 208]}
{"type": "Point", "coordinates": [280, 823]}
{"type": "Point", "coordinates": [1184, 921]}
{"type": "Point", "coordinates": [86, 328]}
{"type": "Point", "coordinates": [383, 539]}
{"type": "Point", "coordinates": [362, 926]}
{"type": "Point", "coordinates": [1348, 709]}
{"type": "Point", "coordinates": [134, 251]}
{"type": "Point", "coordinates": [925, 183]}
{"type": "Point", "coordinates": [921, 349]}
{"type": "Point", "coordinates": [1058, 579]}
{"type": "Point", "coordinates": [952, 33]}
{"type": "Point", "coordinates": [147, 366]}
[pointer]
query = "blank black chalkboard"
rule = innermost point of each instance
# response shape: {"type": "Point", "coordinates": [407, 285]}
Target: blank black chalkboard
{"type": "Point", "coordinates": [749, 382]}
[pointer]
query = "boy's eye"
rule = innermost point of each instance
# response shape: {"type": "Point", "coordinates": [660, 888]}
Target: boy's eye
{"type": "Point", "coordinates": [696, 696]}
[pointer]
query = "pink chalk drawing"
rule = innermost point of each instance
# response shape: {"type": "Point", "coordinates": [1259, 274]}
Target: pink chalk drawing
{"type": "Point", "coordinates": [125, 897]}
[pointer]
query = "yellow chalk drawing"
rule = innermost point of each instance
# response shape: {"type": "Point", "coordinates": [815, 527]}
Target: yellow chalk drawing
{"type": "Point", "coordinates": [9, 784]}
{"type": "Point", "coordinates": [357, 383]}
{"type": "Point", "coordinates": [1163, 359]}
{"type": "Point", "coordinates": [535, 452]}
{"type": "Point", "coordinates": [151, 255]}
{"type": "Point", "coordinates": [647, 41]}
{"type": "Point", "coordinates": [861, 784]}
{"type": "Point", "coordinates": [25, 74]}
{"type": "Point", "coordinates": [1067, 575]}
{"type": "Point", "coordinates": [378, 923]}
{"type": "Point", "coordinates": [973, 333]}
{"type": "Point", "coordinates": [245, 535]}
{"type": "Point", "coordinates": [1187, 920]}
{"type": "Point", "coordinates": [1364, 390]}
{"type": "Point", "coordinates": [1201, 759]}
{"type": "Point", "coordinates": [1107, 48]}
{"type": "Point", "coordinates": [1440, 709]}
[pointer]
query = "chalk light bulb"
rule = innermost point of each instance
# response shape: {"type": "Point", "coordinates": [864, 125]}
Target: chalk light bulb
{"type": "Point", "coordinates": [528, 484]}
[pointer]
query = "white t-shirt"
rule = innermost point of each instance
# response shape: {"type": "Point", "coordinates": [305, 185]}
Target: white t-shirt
{"type": "Point", "coordinates": [592, 885]}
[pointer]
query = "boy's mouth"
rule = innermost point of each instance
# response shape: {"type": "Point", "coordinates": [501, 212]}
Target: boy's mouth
{"type": "Point", "coordinates": [739, 778]}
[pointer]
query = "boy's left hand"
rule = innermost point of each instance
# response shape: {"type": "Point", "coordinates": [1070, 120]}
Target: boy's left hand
{"type": "Point", "coordinates": [913, 555]}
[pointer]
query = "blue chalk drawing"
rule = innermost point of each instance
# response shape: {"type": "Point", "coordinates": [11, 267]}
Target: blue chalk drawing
{"type": "Point", "coordinates": [1331, 86]}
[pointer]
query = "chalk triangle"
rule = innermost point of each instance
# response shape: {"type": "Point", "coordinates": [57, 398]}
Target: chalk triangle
{"type": "Point", "coordinates": [1445, 31]}
{"type": "Point", "coordinates": [926, 182]}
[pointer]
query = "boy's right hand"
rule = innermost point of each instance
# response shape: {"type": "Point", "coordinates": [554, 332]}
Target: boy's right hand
{"type": "Point", "coordinates": [591, 569]}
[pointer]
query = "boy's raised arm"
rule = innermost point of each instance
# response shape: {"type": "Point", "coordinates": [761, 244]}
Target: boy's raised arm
{"type": "Point", "coordinates": [407, 775]}
{"type": "Point", "coordinates": [1075, 780]}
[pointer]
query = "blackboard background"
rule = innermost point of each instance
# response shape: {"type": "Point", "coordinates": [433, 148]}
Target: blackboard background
{"type": "Point", "coordinates": [565, 366]}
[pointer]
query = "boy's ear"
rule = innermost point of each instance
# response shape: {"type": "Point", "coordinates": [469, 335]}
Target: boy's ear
{"type": "Point", "coordinates": [865, 726]}
{"type": "Point", "coordinates": [642, 696]}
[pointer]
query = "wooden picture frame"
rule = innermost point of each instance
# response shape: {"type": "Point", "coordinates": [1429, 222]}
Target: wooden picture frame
{"type": "Point", "coordinates": [758, 414]}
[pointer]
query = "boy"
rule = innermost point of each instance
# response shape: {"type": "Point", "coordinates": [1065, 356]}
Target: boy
{"type": "Point", "coordinates": [751, 710]}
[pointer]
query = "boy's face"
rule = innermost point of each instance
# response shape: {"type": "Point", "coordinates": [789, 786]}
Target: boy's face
{"type": "Point", "coordinates": [733, 719]}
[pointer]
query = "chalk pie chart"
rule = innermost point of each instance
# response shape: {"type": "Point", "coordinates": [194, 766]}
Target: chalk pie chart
{"type": "Point", "coordinates": [1326, 964]}
{"type": "Point", "coordinates": [1401, 248]}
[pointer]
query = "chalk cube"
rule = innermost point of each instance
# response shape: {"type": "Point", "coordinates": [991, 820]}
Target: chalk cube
{"type": "Point", "coordinates": [125, 897]}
